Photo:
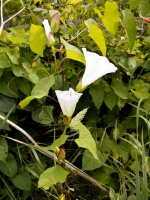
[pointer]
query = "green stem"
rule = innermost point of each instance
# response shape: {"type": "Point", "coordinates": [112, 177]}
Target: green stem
{"type": "Point", "coordinates": [54, 54]}
{"type": "Point", "coordinates": [64, 132]}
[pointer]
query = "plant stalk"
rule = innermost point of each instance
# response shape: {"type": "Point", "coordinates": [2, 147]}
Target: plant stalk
{"type": "Point", "coordinates": [54, 54]}
{"type": "Point", "coordinates": [52, 155]}
{"type": "Point", "coordinates": [20, 130]}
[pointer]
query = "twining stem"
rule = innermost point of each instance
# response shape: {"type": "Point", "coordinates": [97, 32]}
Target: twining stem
{"type": "Point", "coordinates": [77, 35]}
{"type": "Point", "coordinates": [60, 70]}
{"type": "Point", "coordinates": [52, 155]}
{"type": "Point", "coordinates": [60, 63]}
{"type": "Point", "coordinates": [67, 164]}
{"type": "Point", "coordinates": [54, 54]}
{"type": "Point", "coordinates": [52, 98]}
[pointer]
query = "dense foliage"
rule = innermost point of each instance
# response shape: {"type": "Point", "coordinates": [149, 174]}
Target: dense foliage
{"type": "Point", "coordinates": [102, 152]}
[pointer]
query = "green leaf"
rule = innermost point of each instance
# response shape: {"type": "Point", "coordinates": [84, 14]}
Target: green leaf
{"type": "Point", "coordinates": [86, 140]}
{"type": "Point", "coordinates": [1, 72]}
{"type": "Point", "coordinates": [16, 40]}
{"type": "Point", "coordinates": [37, 39]}
{"type": "Point", "coordinates": [9, 167]}
{"type": "Point", "coordinates": [12, 53]}
{"type": "Point", "coordinates": [140, 91]}
{"type": "Point", "coordinates": [73, 1]}
{"type": "Point", "coordinates": [35, 72]}
{"type": "Point", "coordinates": [24, 86]}
{"type": "Point", "coordinates": [112, 194]}
{"type": "Point", "coordinates": [119, 89]}
{"type": "Point", "coordinates": [110, 99]}
{"type": "Point", "coordinates": [8, 86]}
{"type": "Point", "coordinates": [105, 146]}
{"type": "Point", "coordinates": [35, 114]}
{"type": "Point", "coordinates": [146, 76]}
{"type": "Point", "coordinates": [97, 93]}
{"type": "Point", "coordinates": [3, 125]}
{"type": "Point", "coordinates": [123, 195]}
{"type": "Point", "coordinates": [35, 19]}
{"type": "Point", "coordinates": [120, 150]}
{"type": "Point", "coordinates": [97, 35]}
{"type": "Point", "coordinates": [58, 82]}
{"type": "Point", "coordinates": [41, 89]}
{"type": "Point", "coordinates": [3, 36]}
{"type": "Point", "coordinates": [130, 27]}
{"type": "Point", "coordinates": [111, 17]}
{"type": "Point", "coordinates": [132, 197]}
{"type": "Point", "coordinates": [90, 21]}
{"type": "Point", "coordinates": [146, 104]}
{"type": "Point", "coordinates": [57, 143]}
{"type": "Point", "coordinates": [36, 1]}
{"type": "Point", "coordinates": [46, 115]}
{"type": "Point", "coordinates": [102, 175]}
{"type": "Point", "coordinates": [26, 101]}
{"type": "Point", "coordinates": [52, 176]}
{"type": "Point", "coordinates": [134, 4]}
{"type": "Point", "coordinates": [22, 180]}
{"type": "Point", "coordinates": [19, 71]}
{"type": "Point", "coordinates": [90, 163]}
{"type": "Point", "coordinates": [73, 52]}
{"type": "Point", "coordinates": [4, 61]}
{"type": "Point", "coordinates": [145, 9]}
{"type": "Point", "coordinates": [97, 11]}
{"type": "Point", "coordinates": [3, 149]}
{"type": "Point", "coordinates": [3, 154]}
{"type": "Point", "coordinates": [18, 36]}
{"type": "Point", "coordinates": [74, 122]}
{"type": "Point", "coordinates": [6, 103]}
{"type": "Point", "coordinates": [121, 102]}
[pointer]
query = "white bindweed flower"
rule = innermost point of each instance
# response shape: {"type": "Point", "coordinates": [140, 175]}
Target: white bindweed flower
{"type": "Point", "coordinates": [48, 32]}
{"type": "Point", "coordinates": [68, 101]}
{"type": "Point", "coordinates": [96, 67]}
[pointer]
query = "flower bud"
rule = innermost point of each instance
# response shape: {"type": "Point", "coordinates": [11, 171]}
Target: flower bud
{"type": "Point", "coordinates": [57, 150]}
{"type": "Point", "coordinates": [51, 39]}
{"type": "Point", "coordinates": [60, 153]}
{"type": "Point", "coordinates": [48, 32]}
{"type": "Point", "coordinates": [55, 21]}
{"type": "Point", "coordinates": [34, 63]}
{"type": "Point", "coordinates": [147, 20]}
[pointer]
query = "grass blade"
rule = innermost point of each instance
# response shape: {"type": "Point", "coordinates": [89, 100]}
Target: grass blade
{"type": "Point", "coordinates": [137, 178]}
{"type": "Point", "coordinates": [145, 182]}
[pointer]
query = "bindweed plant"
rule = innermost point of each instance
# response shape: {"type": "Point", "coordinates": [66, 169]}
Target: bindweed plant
{"type": "Point", "coordinates": [74, 100]}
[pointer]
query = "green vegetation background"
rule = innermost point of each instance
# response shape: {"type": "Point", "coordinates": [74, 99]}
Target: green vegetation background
{"type": "Point", "coordinates": [117, 119]}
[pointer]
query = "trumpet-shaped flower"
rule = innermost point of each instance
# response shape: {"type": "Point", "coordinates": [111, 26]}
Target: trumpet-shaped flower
{"type": "Point", "coordinates": [96, 67]}
{"type": "Point", "coordinates": [68, 101]}
{"type": "Point", "coordinates": [48, 32]}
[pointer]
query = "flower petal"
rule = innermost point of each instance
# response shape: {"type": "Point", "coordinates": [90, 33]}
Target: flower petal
{"type": "Point", "coordinates": [47, 27]}
{"type": "Point", "coordinates": [68, 101]}
{"type": "Point", "coordinates": [96, 67]}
